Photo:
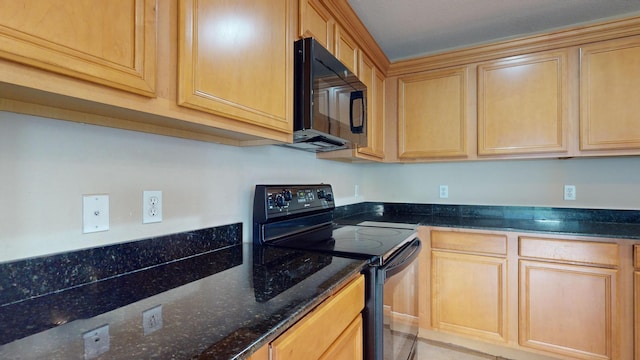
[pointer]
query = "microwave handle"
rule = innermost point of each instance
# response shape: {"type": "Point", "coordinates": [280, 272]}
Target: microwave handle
{"type": "Point", "coordinates": [357, 96]}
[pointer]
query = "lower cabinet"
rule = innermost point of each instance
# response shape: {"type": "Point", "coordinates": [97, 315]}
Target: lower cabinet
{"type": "Point", "coordinates": [636, 297]}
{"type": "Point", "coordinates": [536, 295]}
{"type": "Point", "coordinates": [475, 302]}
{"type": "Point", "coordinates": [333, 330]}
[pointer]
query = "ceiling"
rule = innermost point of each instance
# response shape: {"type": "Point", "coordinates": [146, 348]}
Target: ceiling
{"type": "Point", "coordinates": [409, 28]}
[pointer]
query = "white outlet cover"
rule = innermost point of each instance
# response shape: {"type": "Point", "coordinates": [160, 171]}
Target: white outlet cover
{"type": "Point", "coordinates": [96, 342]}
{"type": "Point", "coordinates": [151, 207]}
{"type": "Point", "coordinates": [95, 213]}
{"type": "Point", "coordinates": [569, 192]}
{"type": "Point", "coordinates": [444, 191]}
{"type": "Point", "coordinates": [152, 320]}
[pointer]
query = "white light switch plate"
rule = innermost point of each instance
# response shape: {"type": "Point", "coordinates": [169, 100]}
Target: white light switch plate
{"type": "Point", "coordinates": [95, 213]}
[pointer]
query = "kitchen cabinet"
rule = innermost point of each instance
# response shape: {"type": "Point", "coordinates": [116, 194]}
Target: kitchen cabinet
{"type": "Point", "coordinates": [236, 60]}
{"type": "Point", "coordinates": [469, 284]}
{"type": "Point", "coordinates": [315, 21]}
{"type": "Point", "coordinates": [521, 295]}
{"type": "Point", "coordinates": [95, 67]}
{"type": "Point", "coordinates": [374, 80]}
{"type": "Point", "coordinates": [331, 331]}
{"type": "Point", "coordinates": [568, 297]}
{"type": "Point", "coordinates": [432, 114]}
{"type": "Point", "coordinates": [609, 92]}
{"type": "Point", "coordinates": [346, 49]}
{"type": "Point", "coordinates": [523, 104]}
{"type": "Point", "coordinates": [107, 42]}
{"type": "Point", "coordinates": [636, 298]}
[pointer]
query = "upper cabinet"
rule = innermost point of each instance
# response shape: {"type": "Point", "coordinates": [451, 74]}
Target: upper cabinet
{"type": "Point", "coordinates": [219, 71]}
{"type": "Point", "coordinates": [315, 21]}
{"type": "Point", "coordinates": [236, 60]}
{"type": "Point", "coordinates": [106, 42]}
{"type": "Point", "coordinates": [609, 93]}
{"type": "Point", "coordinates": [523, 104]}
{"type": "Point", "coordinates": [334, 25]}
{"type": "Point", "coordinates": [568, 93]}
{"type": "Point", "coordinates": [432, 114]}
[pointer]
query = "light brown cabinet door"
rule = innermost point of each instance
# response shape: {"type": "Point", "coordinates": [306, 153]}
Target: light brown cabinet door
{"type": "Point", "coordinates": [346, 49]}
{"type": "Point", "coordinates": [107, 42]}
{"type": "Point", "coordinates": [469, 294]}
{"type": "Point", "coordinates": [609, 93]}
{"type": "Point", "coordinates": [316, 22]}
{"type": "Point", "coordinates": [236, 60]}
{"type": "Point", "coordinates": [568, 310]}
{"type": "Point", "coordinates": [349, 345]}
{"type": "Point", "coordinates": [324, 328]}
{"type": "Point", "coordinates": [432, 116]}
{"type": "Point", "coordinates": [523, 104]}
{"type": "Point", "coordinates": [374, 81]}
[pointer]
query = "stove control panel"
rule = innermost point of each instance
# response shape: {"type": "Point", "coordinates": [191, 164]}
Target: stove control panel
{"type": "Point", "coordinates": [272, 201]}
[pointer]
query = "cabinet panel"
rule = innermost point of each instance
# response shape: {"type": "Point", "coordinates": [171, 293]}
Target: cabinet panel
{"type": "Point", "coordinates": [374, 82]}
{"type": "Point", "coordinates": [330, 319]}
{"type": "Point", "coordinates": [636, 311]}
{"type": "Point", "coordinates": [523, 104]}
{"type": "Point", "coordinates": [609, 93]}
{"type": "Point", "coordinates": [107, 42]}
{"type": "Point", "coordinates": [316, 22]}
{"type": "Point", "coordinates": [471, 242]}
{"type": "Point", "coordinates": [432, 116]}
{"type": "Point", "coordinates": [346, 49]}
{"type": "Point", "coordinates": [349, 345]}
{"type": "Point", "coordinates": [585, 252]}
{"type": "Point", "coordinates": [236, 60]}
{"type": "Point", "coordinates": [468, 295]}
{"type": "Point", "coordinates": [569, 310]}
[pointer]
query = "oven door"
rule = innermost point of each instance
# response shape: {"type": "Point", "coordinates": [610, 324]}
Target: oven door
{"type": "Point", "coordinates": [400, 329]}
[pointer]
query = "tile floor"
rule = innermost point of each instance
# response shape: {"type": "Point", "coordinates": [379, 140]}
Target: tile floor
{"type": "Point", "coordinates": [431, 350]}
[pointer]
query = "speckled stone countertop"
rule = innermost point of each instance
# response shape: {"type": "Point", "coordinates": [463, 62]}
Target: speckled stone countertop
{"type": "Point", "coordinates": [221, 299]}
{"type": "Point", "coordinates": [220, 304]}
{"type": "Point", "coordinates": [565, 221]}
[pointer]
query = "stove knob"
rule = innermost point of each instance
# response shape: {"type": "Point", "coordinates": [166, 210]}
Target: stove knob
{"type": "Point", "coordinates": [287, 195]}
{"type": "Point", "coordinates": [321, 194]}
{"type": "Point", "coordinates": [328, 197]}
{"type": "Point", "coordinates": [279, 200]}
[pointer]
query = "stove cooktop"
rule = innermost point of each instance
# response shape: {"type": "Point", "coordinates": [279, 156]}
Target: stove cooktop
{"type": "Point", "coordinates": [361, 241]}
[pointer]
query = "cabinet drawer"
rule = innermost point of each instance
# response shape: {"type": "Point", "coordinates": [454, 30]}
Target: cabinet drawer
{"type": "Point", "coordinates": [636, 256]}
{"type": "Point", "coordinates": [470, 242]}
{"type": "Point", "coordinates": [570, 250]}
{"type": "Point", "coordinates": [314, 334]}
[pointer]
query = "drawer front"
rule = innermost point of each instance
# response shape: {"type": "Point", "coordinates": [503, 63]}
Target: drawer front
{"type": "Point", "coordinates": [576, 251]}
{"type": "Point", "coordinates": [314, 334]}
{"type": "Point", "coordinates": [495, 244]}
{"type": "Point", "coordinates": [636, 256]}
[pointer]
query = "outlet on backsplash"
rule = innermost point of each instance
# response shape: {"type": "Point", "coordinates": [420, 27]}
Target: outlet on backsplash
{"type": "Point", "coordinates": [151, 207]}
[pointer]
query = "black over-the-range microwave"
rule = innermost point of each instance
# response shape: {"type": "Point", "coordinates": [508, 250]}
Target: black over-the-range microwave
{"type": "Point", "coordinates": [330, 102]}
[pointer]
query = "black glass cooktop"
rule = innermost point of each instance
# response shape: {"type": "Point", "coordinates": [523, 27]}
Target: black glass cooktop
{"type": "Point", "coordinates": [364, 241]}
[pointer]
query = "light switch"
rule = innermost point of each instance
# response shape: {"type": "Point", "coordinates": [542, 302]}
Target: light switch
{"type": "Point", "coordinates": [95, 213]}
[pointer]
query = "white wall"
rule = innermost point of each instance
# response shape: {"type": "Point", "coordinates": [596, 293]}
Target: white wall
{"type": "Point", "coordinates": [601, 183]}
{"type": "Point", "coordinates": [47, 165]}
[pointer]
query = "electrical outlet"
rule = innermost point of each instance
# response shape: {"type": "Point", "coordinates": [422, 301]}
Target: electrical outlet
{"type": "Point", "coordinates": [152, 320]}
{"type": "Point", "coordinates": [356, 191]}
{"type": "Point", "coordinates": [151, 207]}
{"type": "Point", "coordinates": [444, 191]}
{"type": "Point", "coordinates": [95, 213]}
{"type": "Point", "coordinates": [569, 192]}
{"type": "Point", "coordinates": [96, 342]}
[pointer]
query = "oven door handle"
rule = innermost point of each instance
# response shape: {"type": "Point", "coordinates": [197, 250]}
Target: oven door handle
{"type": "Point", "coordinates": [403, 260]}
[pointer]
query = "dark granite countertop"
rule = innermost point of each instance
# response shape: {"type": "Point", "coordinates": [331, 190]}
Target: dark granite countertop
{"type": "Point", "coordinates": [223, 304]}
{"type": "Point", "coordinates": [221, 299]}
{"type": "Point", "coordinates": [562, 221]}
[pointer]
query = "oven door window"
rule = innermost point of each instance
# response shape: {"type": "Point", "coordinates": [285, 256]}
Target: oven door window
{"type": "Point", "coordinates": [401, 314]}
